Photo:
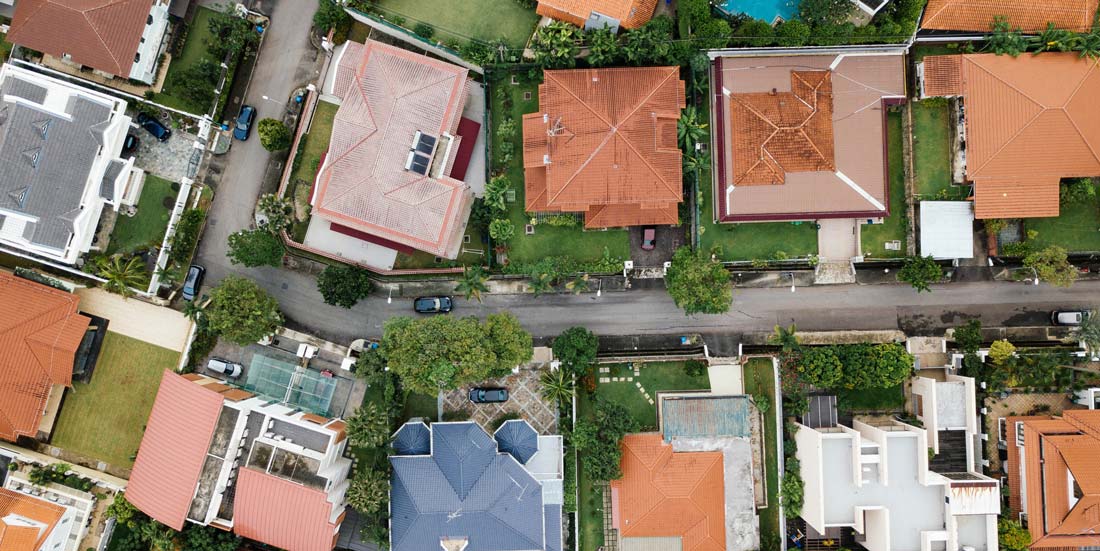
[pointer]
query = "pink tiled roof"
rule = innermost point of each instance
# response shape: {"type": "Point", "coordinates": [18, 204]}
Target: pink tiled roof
{"type": "Point", "coordinates": [173, 449]}
{"type": "Point", "coordinates": [388, 94]}
{"type": "Point", "coordinates": [282, 513]}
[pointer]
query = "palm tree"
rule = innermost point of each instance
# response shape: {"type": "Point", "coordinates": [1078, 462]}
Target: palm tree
{"type": "Point", "coordinates": [192, 310]}
{"type": "Point", "coordinates": [578, 285]}
{"type": "Point", "coordinates": [696, 160]}
{"type": "Point", "coordinates": [542, 283]}
{"type": "Point", "coordinates": [689, 129]}
{"type": "Point", "coordinates": [369, 491]}
{"type": "Point", "coordinates": [121, 276]}
{"type": "Point", "coordinates": [1089, 333]}
{"type": "Point", "coordinates": [370, 426]}
{"type": "Point", "coordinates": [168, 276]}
{"type": "Point", "coordinates": [557, 386]}
{"type": "Point", "coordinates": [1055, 40]}
{"type": "Point", "coordinates": [785, 338]}
{"type": "Point", "coordinates": [472, 283]}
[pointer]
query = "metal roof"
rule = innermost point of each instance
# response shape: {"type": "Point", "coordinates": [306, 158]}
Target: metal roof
{"type": "Point", "coordinates": [517, 438]}
{"type": "Point", "coordinates": [705, 416]}
{"type": "Point", "coordinates": [947, 229]}
{"type": "Point", "coordinates": [413, 439]}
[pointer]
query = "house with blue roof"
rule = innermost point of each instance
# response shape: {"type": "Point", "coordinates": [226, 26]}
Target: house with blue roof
{"type": "Point", "coordinates": [456, 487]}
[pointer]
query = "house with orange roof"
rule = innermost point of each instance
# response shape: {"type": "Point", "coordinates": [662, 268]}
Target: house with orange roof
{"type": "Point", "coordinates": [598, 14]}
{"type": "Point", "coordinates": [1054, 477]}
{"type": "Point", "coordinates": [41, 330]}
{"type": "Point", "coordinates": [29, 523]}
{"type": "Point", "coordinates": [951, 17]}
{"type": "Point", "coordinates": [42, 501]}
{"type": "Point", "coordinates": [393, 178]}
{"type": "Point", "coordinates": [603, 144]}
{"type": "Point", "coordinates": [225, 457]}
{"type": "Point", "coordinates": [1027, 122]}
{"type": "Point", "coordinates": [801, 136]}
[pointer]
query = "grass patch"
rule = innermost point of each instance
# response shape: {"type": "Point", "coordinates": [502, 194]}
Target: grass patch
{"type": "Point", "coordinates": [421, 259]}
{"type": "Point", "coordinates": [315, 143]}
{"type": "Point", "coordinates": [105, 419]}
{"type": "Point", "coordinates": [589, 511]}
{"type": "Point", "coordinates": [358, 32]}
{"type": "Point", "coordinates": [893, 228]}
{"type": "Point", "coordinates": [759, 378]}
{"type": "Point", "coordinates": [871, 399]}
{"type": "Point", "coordinates": [456, 21]}
{"type": "Point", "coordinates": [1076, 229]}
{"type": "Point", "coordinates": [547, 241]}
{"type": "Point", "coordinates": [147, 227]}
{"type": "Point", "coordinates": [194, 50]}
{"type": "Point", "coordinates": [5, 46]}
{"type": "Point", "coordinates": [421, 405]}
{"type": "Point", "coordinates": [931, 148]}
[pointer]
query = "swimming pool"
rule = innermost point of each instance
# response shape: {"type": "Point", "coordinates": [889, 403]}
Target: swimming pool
{"type": "Point", "coordinates": [768, 10]}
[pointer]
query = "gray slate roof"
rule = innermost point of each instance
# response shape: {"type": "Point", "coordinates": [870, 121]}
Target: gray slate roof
{"type": "Point", "coordinates": [519, 439]}
{"type": "Point", "coordinates": [468, 489]}
{"type": "Point", "coordinates": [47, 159]}
{"type": "Point", "coordinates": [413, 439]}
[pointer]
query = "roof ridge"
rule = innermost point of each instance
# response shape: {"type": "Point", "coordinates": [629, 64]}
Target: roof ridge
{"type": "Point", "coordinates": [95, 29]}
{"type": "Point", "coordinates": [1024, 127]}
{"type": "Point", "coordinates": [1072, 120]}
{"type": "Point", "coordinates": [930, 18]}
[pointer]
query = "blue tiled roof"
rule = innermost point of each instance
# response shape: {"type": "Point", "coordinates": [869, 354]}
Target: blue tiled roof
{"type": "Point", "coordinates": [552, 514]}
{"type": "Point", "coordinates": [467, 489]}
{"type": "Point", "coordinates": [519, 439]}
{"type": "Point", "coordinates": [705, 416]}
{"type": "Point", "coordinates": [413, 439]}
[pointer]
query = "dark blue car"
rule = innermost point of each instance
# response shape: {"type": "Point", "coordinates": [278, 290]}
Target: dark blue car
{"type": "Point", "coordinates": [154, 127]}
{"type": "Point", "coordinates": [244, 123]}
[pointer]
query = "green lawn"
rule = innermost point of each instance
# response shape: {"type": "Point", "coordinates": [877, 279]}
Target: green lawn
{"type": "Point", "coordinates": [456, 21]}
{"type": "Point", "coordinates": [547, 241]}
{"type": "Point", "coordinates": [421, 259]}
{"type": "Point", "coordinates": [195, 49]}
{"type": "Point", "coordinates": [315, 143]}
{"type": "Point", "coordinates": [655, 377]}
{"type": "Point", "coordinates": [759, 240]}
{"type": "Point", "coordinates": [931, 148]}
{"type": "Point", "coordinates": [874, 399]}
{"type": "Point", "coordinates": [147, 227]}
{"type": "Point", "coordinates": [1076, 229]}
{"type": "Point", "coordinates": [759, 379]}
{"type": "Point", "coordinates": [874, 236]}
{"type": "Point", "coordinates": [105, 419]}
{"type": "Point", "coordinates": [420, 405]}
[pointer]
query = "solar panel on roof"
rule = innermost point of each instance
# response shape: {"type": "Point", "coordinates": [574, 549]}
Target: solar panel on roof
{"type": "Point", "coordinates": [419, 164]}
{"type": "Point", "coordinates": [426, 144]}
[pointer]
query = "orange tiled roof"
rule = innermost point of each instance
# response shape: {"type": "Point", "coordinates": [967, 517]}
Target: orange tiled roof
{"type": "Point", "coordinates": [1015, 199]}
{"type": "Point", "coordinates": [1059, 452]}
{"type": "Point", "coordinates": [780, 132]}
{"type": "Point", "coordinates": [102, 34]}
{"type": "Point", "coordinates": [1029, 16]}
{"type": "Point", "coordinates": [40, 331]}
{"type": "Point", "coordinates": [26, 538]}
{"type": "Point", "coordinates": [1032, 119]}
{"type": "Point", "coordinates": [282, 513]}
{"type": "Point", "coordinates": [666, 494]}
{"type": "Point", "coordinates": [606, 139]}
{"type": "Point", "coordinates": [630, 13]}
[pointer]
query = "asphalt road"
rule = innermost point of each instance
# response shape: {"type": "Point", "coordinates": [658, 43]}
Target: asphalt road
{"type": "Point", "coordinates": [286, 62]}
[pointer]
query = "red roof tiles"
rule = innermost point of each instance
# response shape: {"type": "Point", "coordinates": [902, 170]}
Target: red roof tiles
{"type": "Point", "coordinates": [17, 537]}
{"type": "Point", "coordinates": [282, 513]}
{"type": "Point", "coordinates": [1030, 16]}
{"type": "Point", "coordinates": [604, 143]}
{"type": "Point", "coordinates": [1030, 121]}
{"type": "Point", "coordinates": [40, 331]}
{"type": "Point", "coordinates": [102, 34]}
{"type": "Point", "coordinates": [666, 494]}
{"type": "Point", "coordinates": [170, 459]}
{"type": "Point", "coordinates": [630, 13]}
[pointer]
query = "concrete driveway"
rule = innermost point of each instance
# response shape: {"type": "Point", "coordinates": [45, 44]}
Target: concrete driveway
{"type": "Point", "coordinates": [157, 325]}
{"type": "Point", "coordinates": [168, 159]}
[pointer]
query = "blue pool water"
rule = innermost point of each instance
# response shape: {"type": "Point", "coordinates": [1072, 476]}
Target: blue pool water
{"type": "Point", "coordinates": [768, 10]}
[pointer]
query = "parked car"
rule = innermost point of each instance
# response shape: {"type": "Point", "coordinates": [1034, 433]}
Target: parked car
{"type": "Point", "coordinates": [1068, 317]}
{"type": "Point", "coordinates": [129, 144]}
{"type": "Point", "coordinates": [225, 367]}
{"type": "Point", "coordinates": [154, 127]}
{"type": "Point", "coordinates": [649, 238]}
{"type": "Point", "coordinates": [488, 395]}
{"type": "Point", "coordinates": [433, 305]}
{"type": "Point", "coordinates": [193, 281]}
{"type": "Point", "coordinates": [244, 123]}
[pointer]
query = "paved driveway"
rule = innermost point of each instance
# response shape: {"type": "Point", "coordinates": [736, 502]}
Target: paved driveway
{"type": "Point", "coordinates": [524, 400]}
{"type": "Point", "coordinates": [169, 159]}
{"type": "Point", "coordinates": [669, 238]}
{"type": "Point", "coordinates": [157, 325]}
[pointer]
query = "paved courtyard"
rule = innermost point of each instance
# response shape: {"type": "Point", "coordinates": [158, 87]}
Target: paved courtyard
{"type": "Point", "coordinates": [524, 399]}
{"type": "Point", "coordinates": [169, 160]}
{"type": "Point", "coordinates": [1018, 404]}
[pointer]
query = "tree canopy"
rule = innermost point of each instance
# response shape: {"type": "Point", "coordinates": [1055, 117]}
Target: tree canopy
{"type": "Point", "coordinates": [274, 135]}
{"type": "Point", "coordinates": [576, 349]}
{"type": "Point", "coordinates": [855, 366]}
{"type": "Point", "coordinates": [255, 248]}
{"type": "Point", "coordinates": [242, 312]}
{"type": "Point", "coordinates": [921, 272]}
{"type": "Point", "coordinates": [698, 283]}
{"type": "Point", "coordinates": [344, 285]}
{"type": "Point", "coordinates": [598, 439]}
{"type": "Point", "coordinates": [1052, 265]}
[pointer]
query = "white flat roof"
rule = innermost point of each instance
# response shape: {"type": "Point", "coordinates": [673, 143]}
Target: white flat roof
{"type": "Point", "coordinates": [947, 229]}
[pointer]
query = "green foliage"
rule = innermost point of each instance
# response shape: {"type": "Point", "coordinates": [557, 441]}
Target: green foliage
{"type": "Point", "coordinates": [598, 440]}
{"type": "Point", "coordinates": [603, 47]}
{"type": "Point", "coordinates": [186, 236]}
{"type": "Point", "coordinates": [255, 248]}
{"type": "Point", "coordinates": [1076, 190]}
{"type": "Point", "coordinates": [576, 349]}
{"type": "Point", "coordinates": [242, 312]}
{"type": "Point", "coordinates": [792, 33]}
{"type": "Point", "coordinates": [329, 15]}
{"type": "Point", "coordinates": [369, 426]}
{"type": "Point", "coordinates": [1056, 40]}
{"type": "Point", "coordinates": [274, 135]}
{"type": "Point", "coordinates": [1000, 351]}
{"type": "Point", "coordinates": [821, 367]}
{"type": "Point", "coordinates": [197, 537]}
{"type": "Point", "coordinates": [650, 44]}
{"type": "Point", "coordinates": [122, 275]}
{"type": "Point", "coordinates": [344, 285]}
{"type": "Point", "coordinates": [556, 386]}
{"type": "Point", "coordinates": [792, 492]}
{"type": "Point", "coordinates": [123, 511]}
{"type": "Point", "coordinates": [278, 212]}
{"type": "Point", "coordinates": [1044, 369]}
{"type": "Point", "coordinates": [506, 130]}
{"type": "Point", "coordinates": [424, 30]}
{"type": "Point", "coordinates": [1012, 535]}
{"type": "Point", "coordinates": [1005, 40]}
{"type": "Point", "coordinates": [556, 45]}
{"type": "Point", "coordinates": [755, 33]}
{"type": "Point", "coordinates": [690, 128]}
{"type": "Point", "coordinates": [444, 352]}
{"type": "Point", "coordinates": [197, 82]}
{"type": "Point", "coordinates": [969, 337]}
{"type": "Point", "coordinates": [698, 284]}
{"type": "Point", "coordinates": [369, 491]}
{"type": "Point", "coordinates": [824, 12]}
{"type": "Point", "coordinates": [1089, 333]}
{"type": "Point", "coordinates": [578, 284]}
{"type": "Point", "coordinates": [920, 272]}
{"type": "Point", "coordinates": [502, 230]}
{"type": "Point", "coordinates": [231, 35]}
{"type": "Point", "coordinates": [473, 282]}
{"type": "Point", "coordinates": [874, 366]}
{"type": "Point", "coordinates": [496, 191]}
{"type": "Point", "coordinates": [1052, 265]}
{"type": "Point", "coordinates": [562, 265]}
{"type": "Point", "coordinates": [712, 33]}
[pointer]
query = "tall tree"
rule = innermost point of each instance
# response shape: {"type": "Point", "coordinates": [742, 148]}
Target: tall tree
{"type": "Point", "coordinates": [242, 312]}
{"type": "Point", "coordinates": [369, 426]}
{"type": "Point", "coordinates": [576, 349]}
{"type": "Point", "coordinates": [369, 492]}
{"type": "Point", "coordinates": [512, 345]}
{"type": "Point", "coordinates": [473, 283]}
{"type": "Point", "coordinates": [274, 135]}
{"type": "Point", "coordinates": [255, 248]}
{"type": "Point", "coordinates": [344, 285]}
{"type": "Point", "coordinates": [698, 283]}
{"type": "Point", "coordinates": [278, 212]}
{"type": "Point", "coordinates": [1052, 265]}
{"type": "Point", "coordinates": [556, 386]}
{"type": "Point", "coordinates": [1089, 333]}
{"type": "Point", "coordinates": [921, 272]}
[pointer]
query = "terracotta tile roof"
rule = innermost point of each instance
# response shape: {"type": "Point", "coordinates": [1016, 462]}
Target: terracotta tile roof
{"type": "Point", "coordinates": [170, 459]}
{"type": "Point", "coordinates": [15, 537]}
{"type": "Point", "coordinates": [630, 13]}
{"type": "Point", "coordinates": [1029, 16]}
{"type": "Point", "coordinates": [1015, 199]}
{"type": "Point", "coordinates": [667, 494]}
{"type": "Point", "coordinates": [1031, 119]}
{"type": "Point", "coordinates": [40, 331]}
{"type": "Point", "coordinates": [102, 34]}
{"type": "Point", "coordinates": [389, 94]}
{"type": "Point", "coordinates": [781, 132]}
{"type": "Point", "coordinates": [605, 137]}
{"type": "Point", "coordinates": [943, 75]}
{"type": "Point", "coordinates": [282, 513]}
{"type": "Point", "coordinates": [1057, 451]}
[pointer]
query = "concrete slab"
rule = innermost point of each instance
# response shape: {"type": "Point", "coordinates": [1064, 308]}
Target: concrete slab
{"type": "Point", "coordinates": [156, 325]}
{"type": "Point", "coordinates": [475, 111]}
{"type": "Point", "coordinates": [726, 379]}
{"type": "Point", "coordinates": [837, 239]}
{"type": "Point", "coordinates": [319, 236]}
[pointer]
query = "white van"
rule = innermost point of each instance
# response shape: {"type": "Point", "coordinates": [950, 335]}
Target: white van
{"type": "Point", "coordinates": [225, 367]}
